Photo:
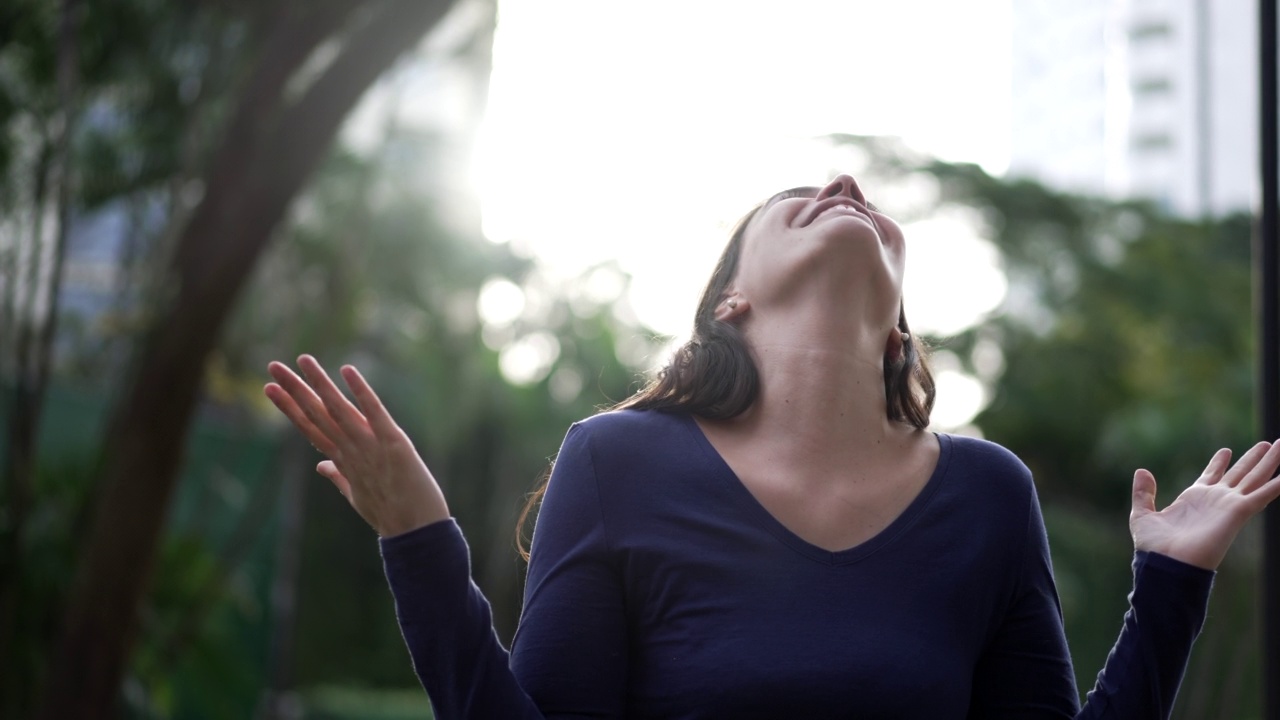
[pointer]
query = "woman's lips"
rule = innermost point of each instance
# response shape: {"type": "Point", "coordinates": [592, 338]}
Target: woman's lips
{"type": "Point", "coordinates": [843, 209]}
{"type": "Point", "coordinates": [846, 210]}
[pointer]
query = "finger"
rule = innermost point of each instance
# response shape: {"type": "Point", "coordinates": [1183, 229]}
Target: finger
{"type": "Point", "coordinates": [369, 402]}
{"type": "Point", "coordinates": [329, 470]}
{"type": "Point", "coordinates": [1245, 464]}
{"type": "Point", "coordinates": [1264, 495]}
{"type": "Point", "coordinates": [1263, 471]}
{"type": "Point", "coordinates": [1144, 494]}
{"type": "Point", "coordinates": [340, 408]}
{"type": "Point", "coordinates": [1217, 466]}
{"type": "Point", "coordinates": [286, 405]}
{"type": "Point", "coordinates": [306, 399]}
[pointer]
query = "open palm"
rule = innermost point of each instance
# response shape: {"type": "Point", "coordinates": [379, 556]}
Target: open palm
{"type": "Point", "coordinates": [371, 460]}
{"type": "Point", "coordinates": [1200, 525]}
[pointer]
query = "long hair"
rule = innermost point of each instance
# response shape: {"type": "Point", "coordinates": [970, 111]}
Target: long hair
{"type": "Point", "coordinates": [713, 375]}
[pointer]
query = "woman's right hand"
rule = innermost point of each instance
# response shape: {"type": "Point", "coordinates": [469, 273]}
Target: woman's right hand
{"type": "Point", "coordinates": [371, 460]}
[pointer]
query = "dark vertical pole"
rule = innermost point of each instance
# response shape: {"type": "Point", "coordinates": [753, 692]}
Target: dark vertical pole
{"type": "Point", "coordinates": [1269, 372]}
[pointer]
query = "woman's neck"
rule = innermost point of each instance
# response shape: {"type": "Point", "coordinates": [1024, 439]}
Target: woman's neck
{"type": "Point", "coordinates": [822, 392]}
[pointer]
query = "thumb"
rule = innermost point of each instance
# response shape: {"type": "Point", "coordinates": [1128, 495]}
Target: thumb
{"type": "Point", "coordinates": [1144, 494]}
{"type": "Point", "coordinates": [328, 469]}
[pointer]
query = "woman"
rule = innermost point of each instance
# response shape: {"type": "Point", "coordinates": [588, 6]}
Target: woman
{"type": "Point", "coordinates": [769, 531]}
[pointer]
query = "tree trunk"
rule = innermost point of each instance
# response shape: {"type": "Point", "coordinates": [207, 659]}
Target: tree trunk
{"type": "Point", "coordinates": [278, 700]}
{"type": "Point", "coordinates": [39, 327]}
{"type": "Point", "coordinates": [270, 149]}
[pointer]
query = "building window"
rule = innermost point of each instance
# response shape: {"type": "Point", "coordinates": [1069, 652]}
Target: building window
{"type": "Point", "coordinates": [1152, 86]}
{"type": "Point", "coordinates": [1148, 142]}
{"type": "Point", "coordinates": [1153, 30]}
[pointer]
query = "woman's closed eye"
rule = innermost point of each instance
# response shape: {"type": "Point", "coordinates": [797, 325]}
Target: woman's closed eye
{"type": "Point", "coordinates": [799, 192]}
{"type": "Point", "coordinates": [795, 193]}
{"type": "Point", "coordinates": [807, 192]}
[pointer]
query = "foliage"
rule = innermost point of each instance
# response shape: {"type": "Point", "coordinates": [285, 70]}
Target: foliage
{"type": "Point", "coordinates": [348, 703]}
{"type": "Point", "coordinates": [49, 556]}
{"type": "Point", "coordinates": [152, 87]}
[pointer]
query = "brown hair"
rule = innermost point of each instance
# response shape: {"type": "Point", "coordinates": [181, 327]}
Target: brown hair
{"type": "Point", "coordinates": [713, 374]}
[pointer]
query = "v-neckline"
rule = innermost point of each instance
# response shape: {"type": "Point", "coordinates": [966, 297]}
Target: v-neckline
{"type": "Point", "coordinates": [752, 505]}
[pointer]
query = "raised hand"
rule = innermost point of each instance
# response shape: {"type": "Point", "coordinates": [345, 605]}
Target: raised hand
{"type": "Point", "coordinates": [1200, 525]}
{"type": "Point", "coordinates": [371, 460]}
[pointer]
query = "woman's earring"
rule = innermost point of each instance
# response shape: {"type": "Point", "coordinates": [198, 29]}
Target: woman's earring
{"type": "Point", "coordinates": [733, 304]}
{"type": "Point", "coordinates": [906, 338]}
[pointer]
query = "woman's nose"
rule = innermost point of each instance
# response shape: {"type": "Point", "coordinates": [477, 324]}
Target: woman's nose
{"type": "Point", "coordinates": [842, 185]}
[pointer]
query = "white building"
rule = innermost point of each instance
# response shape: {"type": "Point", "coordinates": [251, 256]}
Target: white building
{"type": "Point", "coordinates": [1146, 98]}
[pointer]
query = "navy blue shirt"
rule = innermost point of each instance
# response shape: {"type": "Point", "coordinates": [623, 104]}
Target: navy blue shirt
{"type": "Point", "coordinates": [659, 587]}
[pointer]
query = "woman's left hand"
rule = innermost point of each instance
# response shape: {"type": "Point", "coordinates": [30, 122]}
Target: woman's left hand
{"type": "Point", "coordinates": [1200, 525]}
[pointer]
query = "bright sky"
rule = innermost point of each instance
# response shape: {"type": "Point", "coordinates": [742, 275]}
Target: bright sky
{"type": "Point", "coordinates": [639, 132]}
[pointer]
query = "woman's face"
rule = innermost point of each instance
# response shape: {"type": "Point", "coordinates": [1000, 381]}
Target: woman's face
{"type": "Point", "coordinates": [826, 240]}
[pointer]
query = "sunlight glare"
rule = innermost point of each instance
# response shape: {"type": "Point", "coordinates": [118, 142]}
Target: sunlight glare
{"type": "Point", "coordinates": [953, 275]}
{"type": "Point", "coordinates": [594, 148]}
{"type": "Point", "coordinates": [960, 396]}
{"type": "Point", "coordinates": [500, 302]}
{"type": "Point", "coordinates": [529, 359]}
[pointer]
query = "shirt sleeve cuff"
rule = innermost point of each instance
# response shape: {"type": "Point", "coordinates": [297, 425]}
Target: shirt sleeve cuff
{"type": "Point", "coordinates": [1170, 575]}
{"type": "Point", "coordinates": [437, 550]}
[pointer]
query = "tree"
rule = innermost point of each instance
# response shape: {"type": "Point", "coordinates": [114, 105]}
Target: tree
{"type": "Point", "coordinates": [365, 264]}
{"type": "Point", "coordinates": [284, 118]}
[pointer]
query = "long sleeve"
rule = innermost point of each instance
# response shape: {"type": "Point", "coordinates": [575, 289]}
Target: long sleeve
{"type": "Point", "coordinates": [1026, 670]}
{"type": "Point", "coordinates": [565, 651]}
{"type": "Point", "coordinates": [1146, 665]}
{"type": "Point", "coordinates": [570, 652]}
{"type": "Point", "coordinates": [448, 628]}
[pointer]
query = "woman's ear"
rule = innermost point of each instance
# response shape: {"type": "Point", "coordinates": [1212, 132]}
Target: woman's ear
{"type": "Point", "coordinates": [895, 344]}
{"type": "Point", "coordinates": [731, 307]}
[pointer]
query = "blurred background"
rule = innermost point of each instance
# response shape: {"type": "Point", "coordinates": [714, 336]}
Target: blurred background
{"type": "Point", "coordinates": [503, 212]}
